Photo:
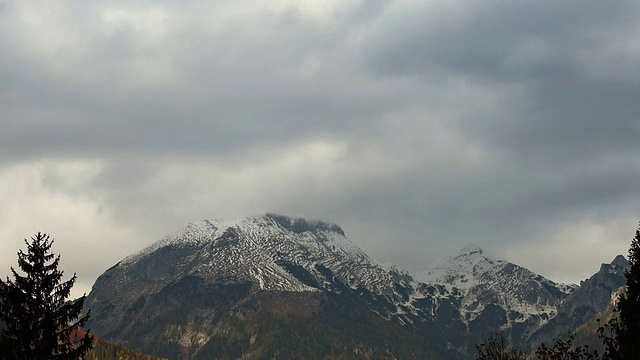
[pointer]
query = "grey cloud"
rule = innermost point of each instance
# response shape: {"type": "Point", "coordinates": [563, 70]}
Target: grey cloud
{"type": "Point", "coordinates": [550, 51]}
{"type": "Point", "coordinates": [232, 91]}
{"type": "Point", "coordinates": [442, 123]}
{"type": "Point", "coordinates": [496, 40]}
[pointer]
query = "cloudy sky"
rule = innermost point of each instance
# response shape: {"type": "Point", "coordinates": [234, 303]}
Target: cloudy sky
{"type": "Point", "coordinates": [418, 126]}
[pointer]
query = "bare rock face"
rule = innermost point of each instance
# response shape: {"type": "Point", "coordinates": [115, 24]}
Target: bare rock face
{"type": "Point", "coordinates": [593, 296]}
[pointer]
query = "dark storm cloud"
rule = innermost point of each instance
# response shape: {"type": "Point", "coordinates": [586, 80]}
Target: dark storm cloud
{"type": "Point", "coordinates": [574, 64]}
{"type": "Point", "coordinates": [565, 119]}
{"type": "Point", "coordinates": [417, 126]}
{"type": "Point", "coordinates": [498, 40]}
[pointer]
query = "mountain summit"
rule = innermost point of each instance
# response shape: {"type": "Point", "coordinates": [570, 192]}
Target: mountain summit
{"type": "Point", "coordinates": [462, 270]}
{"type": "Point", "coordinates": [269, 251]}
{"type": "Point", "coordinates": [497, 294]}
{"type": "Point", "coordinates": [181, 289]}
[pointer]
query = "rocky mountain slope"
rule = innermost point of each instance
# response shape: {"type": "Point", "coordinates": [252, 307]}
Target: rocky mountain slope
{"type": "Point", "coordinates": [275, 284]}
{"type": "Point", "coordinates": [593, 296]}
{"type": "Point", "coordinates": [496, 294]}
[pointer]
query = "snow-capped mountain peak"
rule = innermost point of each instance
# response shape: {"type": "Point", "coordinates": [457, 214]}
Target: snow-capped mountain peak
{"type": "Point", "coordinates": [193, 234]}
{"type": "Point", "coordinates": [476, 252]}
{"type": "Point", "coordinates": [463, 269]}
{"type": "Point", "coordinates": [276, 252]}
{"type": "Point", "coordinates": [234, 268]}
{"type": "Point", "coordinates": [471, 249]}
{"type": "Point", "coordinates": [485, 280]}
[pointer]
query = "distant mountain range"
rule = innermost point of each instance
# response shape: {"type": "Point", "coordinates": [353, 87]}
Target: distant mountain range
{"type": "Point", "coordinates": [274, 286]}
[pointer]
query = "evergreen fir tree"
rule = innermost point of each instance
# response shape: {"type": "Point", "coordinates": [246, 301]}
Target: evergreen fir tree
{"type": "Point", "coordinates": [39, 322]}
{"type": "Point", "coordinates": [623, 338]}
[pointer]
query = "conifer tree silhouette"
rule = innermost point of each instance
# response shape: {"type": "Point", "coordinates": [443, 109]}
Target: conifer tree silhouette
{"type": "Point", "coordinates": [621, 335]}
{"type": "Point", "coordinates": [38, 321]}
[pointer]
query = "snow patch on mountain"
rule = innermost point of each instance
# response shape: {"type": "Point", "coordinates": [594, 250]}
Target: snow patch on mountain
{"type": "Point", "coordinates": [269, 250]}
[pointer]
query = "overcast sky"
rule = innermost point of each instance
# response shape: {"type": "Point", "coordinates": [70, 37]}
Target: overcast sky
{"type": "Point", "coordinates": [417, 126]}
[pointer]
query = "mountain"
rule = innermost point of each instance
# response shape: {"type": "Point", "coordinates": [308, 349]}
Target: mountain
{"type": "Point", "coordinates": [592, 297]}
{"type": "Point", "coordinates": [587, 333]}
{"type": "Point", "coordinates": [496, 294]}
{"type": "Point", "coordinates": [182, 296]}
{"type": "Point", "coordinates": [284, 287]}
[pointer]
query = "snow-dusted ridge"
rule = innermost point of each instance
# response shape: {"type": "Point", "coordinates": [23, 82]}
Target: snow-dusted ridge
{"type": "Point", "coordinates": [192, 234]}
{"type": "Point", "coordinates": [191, 285]}
{"type": "Point", "coordinates": [263, 243]}
{"type": "Point", "coordinates": [468, 294]}
{"type": "Point", "coordinates": [268, 248]}
{"type": "Point", "coordinates": [484, 279]}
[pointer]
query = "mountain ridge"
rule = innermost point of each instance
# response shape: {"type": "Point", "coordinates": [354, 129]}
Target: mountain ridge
{"type": "Point", "coordinates": [223, 266]}
{"type": "Point", "coordinates": [593, 296]}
